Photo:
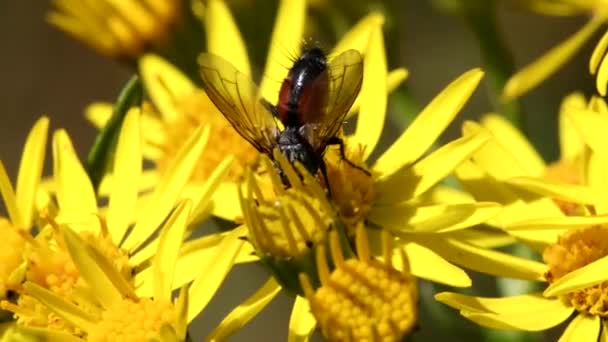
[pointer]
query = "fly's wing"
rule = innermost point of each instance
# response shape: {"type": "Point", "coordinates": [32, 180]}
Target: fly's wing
{"type": "Point", "coordinates": [237, 97]}
{"type": "Point", "coordinates": [345, 78]}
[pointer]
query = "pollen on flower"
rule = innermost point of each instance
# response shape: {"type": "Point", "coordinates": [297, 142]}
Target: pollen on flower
{"type": "Point", "coordinates": [362, 299]}
{"type": "Point", "coordinates": [576, 249]}
{"type": "Point", "coordinates": [196, 110]}
{"type": "Point", "coordinates": [568, 172]}
{"type": "Point", "coordinates": [352, 190]}
{"type": "Point", "coordinates": [11, 255]}
{"type": "Point", "coordinates": [130, 320]}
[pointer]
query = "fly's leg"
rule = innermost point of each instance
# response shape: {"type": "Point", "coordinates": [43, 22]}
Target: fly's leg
{"type": "Point", "coordinates": [338, 141]}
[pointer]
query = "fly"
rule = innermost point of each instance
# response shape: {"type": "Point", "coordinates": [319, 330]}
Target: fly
{"type": "Point", "coordinates": [313, 100]}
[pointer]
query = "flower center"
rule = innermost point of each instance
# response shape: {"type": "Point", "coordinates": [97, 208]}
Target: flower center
{"type": "Point", "coordinates": [567, 172]}
{"type": "Point", "coordinates": [11, 255]}
{"type": "Point", "coordinates": [352, 189]}
{"type": "Point", "coordinates": [130, 320]}
{"type": "Point", "coordinates": [197, 110]}
{"type": "Point", "coordinates": [575, 249]}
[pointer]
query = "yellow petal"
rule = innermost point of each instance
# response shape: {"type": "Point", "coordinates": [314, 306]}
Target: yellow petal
{"type": "Point", "coordinates": [483, 237]}
{"type": "Point", "coordinates": [127, 170]}
{"type": "Point", "coordinates": [536, 72]}
{"type": "Point", "coordinates": [583, 328]}
{"type": "Point", "coordinates": [604, 336]}
{"type": "Point", "coordinates": [285, 41]}
{"type": "Point", "coordinates": [92, 271]}
{"type": "Point", "coordinates": [30, 170]}
{"type": "Point", "coordinates": [598, 54]}
{"type": "Point", "coordinates": [170, 240]}
{"type": "Point", "coordinates": [404, 218]}
{"type": "Point", "coordinates": [518, 145]}
{"type": "Point", "coordinates": [566, 192]}
{"type": "Point", "coordinates": [98, 113]}
{"type": "Point", "coordinates": [587, 276]}
{"type": "Point", "coordinates": [565, 223]}
{"type": "Point", "coordinates": [484, 260]}
{"type": "Point", "coordinates": [212, 273]}
{"type": "Point", "coordinates": [168, 189]}
{"type": "Point", "coordinates": [411, 182]}
{"type": "Point", "coordinates": [394, 80]}
{"type": "Point", "coordinates": [66, 310]}
{"type": "Point", "coordinates": [224, 205]}
{"type": "Point", "coordinates": [597, 179]}
{"type": "Point", "coordinates": [31, 334]}
{"type": "Point", "coordinates": [591, 127]}
{"type": "Point", "coordinates": [358, 36]}
{"type": "Point", "coordinates": [301, 323]}
{"type": "Point", "coordinates": [247, 310]}
{"type": "Point", "coordinates": [204, 195]}
{"type": "Point", "coordinates": [181, 309]}
{"type": "Point", "coordinates": [10, 200]}
{"type": "Point", "coordinates": [525, 312]}
{"type": "Point", "coordinates": [374, 94]}
{"type": "Point", "coordinates": [426, 264]}
{"type": "Point", "coordinates": [570, 141]}
{"type": "Point", "coordinates": [223, 36]}
{"type": "Point", "coordinates": [429, 124]}
{"type": "Point", "coordinates": [75, 193]}
{"type": "Point", "coordinates": [165, 84]}
{"type": "Point", "coordinates": [601, 79]}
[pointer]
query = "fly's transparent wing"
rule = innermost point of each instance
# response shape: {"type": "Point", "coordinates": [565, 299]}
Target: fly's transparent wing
{"type": "Point", "coordinates": [237, 97]}
{"type": "Point", "coordinates": [345, 78]}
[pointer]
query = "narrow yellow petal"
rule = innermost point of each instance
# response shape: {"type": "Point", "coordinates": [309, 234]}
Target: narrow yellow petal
{"type": "Point", "coordinates": [247, 310]}
{"type": "Point", "coordinates": [213, 273]}
{"type": "Point", "coordinates": [484, 260]}
{"type": "Point", "coordinates": [30, 170]}
{"type": "Point", "coordinates": [601, 79]}
{"type": "Point", "coordinates": [165, 84]}
{"type": "Point", "coordinates": [509, 136]}
{"type": "Point", "coordinates": [566, 192]}
{"type": "Point", "coordinates": [426, 264]}
{"type": "Point", "coordinates": [591, 127]}
{"type": "Point", "coordinates": [587, 276]}
{"type": "Point", "coordinates": [68, 311]}
{"type": "Point", "coordinates": [168, 189]}
{"type": "Point", "coordinates": [598, 54]}
{"type": "Point", "coordinates": [404, 218]}
{"type": "Point", "coordinates": [597, 179]}
{"type": "Point", "coordinates": [224, 205]}
{"type": "Point", "coordinates": [125, 180]}
{"type": "Point", "coordinates": [374, 94]}
{"type": "Point", "coordinates": [285, 42]}
{"type": "Point", "coordinates": [525, 312]}
{"type": "Point", "coordinates": [170, 240]}
{"type": "Point", "coordinates": [10, 200]}
{"type": "Point", "coordinates": [181, 308]}
{"type": "Point", "coordinates": [408, 183]}
{"type": "Point", "coordinates": [98, 113]}
{"type": "Point", "coordinates": [583, 328]}
{"type": "Point", "coordinates": [91, 271]}
{"type": "Point", "coordinates": [223, 36]}
{"type": "Point", "coordinates": [483, 237]}
{"type": "Point", "coordinates": [570, 141]}
{"type": "Point", "coordinates": [537, 71]}
{"type": "Point", "coordinates": [31, 334]}
{"type": "Point", "coordinates": [358, 36]}
{"type": "Point", "coordinates": [301, 322]}
{"type": "Point", "coordinates": [429, 124]}
{"type": "Point", "coordinates": [204, 195]}
{"type": "Point", "coordinates": [565, 223]}
{"type": "Point", "coordinates": [604, 335]}
{"type": "Point", "coordinates": [75, 193]}
{"type": "Point", "coordinates": [394, 79]}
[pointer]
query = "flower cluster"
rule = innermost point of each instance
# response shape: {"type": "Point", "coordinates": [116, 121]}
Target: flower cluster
{"type": "Point", "coordinates": [354, 229]}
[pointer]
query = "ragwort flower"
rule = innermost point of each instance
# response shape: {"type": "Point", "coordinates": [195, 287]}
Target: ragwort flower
{"type": "Point", "coordinates": [121, 239]}
{"type": "Point", "coordinates": [573, 246]}
{"type": "Point", "coordinates": [181, 106]}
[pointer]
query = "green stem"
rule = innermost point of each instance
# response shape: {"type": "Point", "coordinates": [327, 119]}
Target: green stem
{"type": "Point", "coordinates": [496, 58]}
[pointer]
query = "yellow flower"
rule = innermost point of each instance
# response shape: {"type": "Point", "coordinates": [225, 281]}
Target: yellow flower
{"type": "Point", "coordinates": [121, 238]}
{"type": "Point", "coordinates": [536, 72]}
{"type": "Point", "coordinates": [118, 29]}
{"type": "Point", "coordinates": [574, 247]}
{"type": "Point", "coordinates": [20, 203]}
{"type": "Point", "coordinates": [182, 106]}
{"type": "Point", "coordinates": [362, 298]}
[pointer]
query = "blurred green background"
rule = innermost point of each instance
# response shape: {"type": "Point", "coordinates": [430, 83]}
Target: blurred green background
{"type": "Point", "coordinates": [43, 71]}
